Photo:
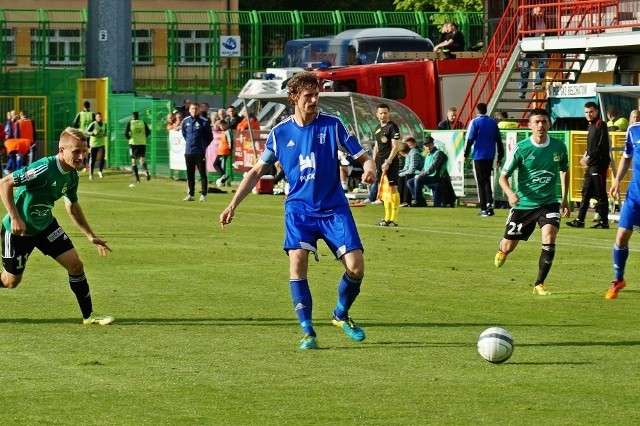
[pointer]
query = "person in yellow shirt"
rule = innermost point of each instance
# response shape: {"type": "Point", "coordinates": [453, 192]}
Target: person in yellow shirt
{"type": "Point", "coordinates": [615, 123]}
{"type": "Point", "coordinates": [137, 132]}
{"type": "Point", "coordinates": [503, 121]}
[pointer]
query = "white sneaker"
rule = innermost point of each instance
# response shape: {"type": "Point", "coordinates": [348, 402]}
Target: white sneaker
{"type": "Point", "coordinates": [377, 202]}
{"type": "Point", "coordinates": [219, 182]}
{"type": "Point", "coordinates": [188, 198]}
{"type": "Point", "coordinates": [202, 198]}
{"type": "Point", "coordinates": [90, 177]}
{"type": "Point", "coordinates": [100, 175]}
{"type": "Point", "coordinates": [132, 185]}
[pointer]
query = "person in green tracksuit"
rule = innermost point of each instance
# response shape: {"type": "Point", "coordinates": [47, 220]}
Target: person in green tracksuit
{"type": "Point", "coordinates": [137, 132]}
{"type": "Point", "coordinates": [97, 132]}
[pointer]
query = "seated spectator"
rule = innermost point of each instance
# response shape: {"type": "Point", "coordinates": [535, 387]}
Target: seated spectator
{"type": "Point", "coordinates": [412, 166]}
{"type": "Point", "coordinates": [615, 123]}
{"type": "Point", "coordinates": [449, 123]}
{"type": "Point", "coordinates": [503, 121]}
{"type": "Point", "coordinates": [451, 40]}
{"type": "Point", "coordinates": [433, 170]}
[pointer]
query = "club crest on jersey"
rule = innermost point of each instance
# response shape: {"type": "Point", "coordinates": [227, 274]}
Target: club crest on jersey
{"type": "Point", "coordinates": [556, 157]}
{"type": "Point", "coordinates": [31, 174]}
{"type": "Point", "coordinates": [64, 189]}
{"type": "Point", "coordinates": [321, 138]}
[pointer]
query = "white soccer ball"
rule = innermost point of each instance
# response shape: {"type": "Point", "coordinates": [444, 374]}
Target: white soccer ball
{"type": "Point", "coordinates": [495, 345]}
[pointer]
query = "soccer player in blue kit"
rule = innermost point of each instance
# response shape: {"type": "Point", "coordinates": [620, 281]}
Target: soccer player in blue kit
{"type": "Point", "coordinates": [306, 144]}
{"type": "Point", "coordinates": [630, 212]}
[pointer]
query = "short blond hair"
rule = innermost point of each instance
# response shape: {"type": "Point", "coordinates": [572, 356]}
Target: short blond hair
{"type": "Point", "coordinates": [70, 134]}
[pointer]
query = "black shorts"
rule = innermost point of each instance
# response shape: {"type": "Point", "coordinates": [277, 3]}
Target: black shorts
{"type": "Point", "coordinates": [522, 223]}
{"type": "Point", "coordinates": [137, 151]}
{"type": "Point", "coordinates": [52, 242]}
{"type": "Point", "coordinates": [392, 172]}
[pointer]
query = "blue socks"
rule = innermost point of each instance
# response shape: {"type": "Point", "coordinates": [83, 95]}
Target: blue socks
{"type": "Point", "coordinates": [348, 290]}
{"type": "Point", "coordinates": [302, 304]}
{"type": "Point", "coordinates": [620, 255]}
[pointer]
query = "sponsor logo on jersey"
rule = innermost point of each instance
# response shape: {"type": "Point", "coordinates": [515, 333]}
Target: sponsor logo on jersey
{"type": "Point", "coordinates": [308, 162]}
{"type": "Point", "coordinates": [40, 210]}
{"type": "Point", "coordinates": [55, 234]}
{"type": "Point", "coordinates": [291, 143]}
{"type": "Point", "coordinates": [531, 157]}
{"type": "Point", "coordinates": [542, 177]}
{"type": "Point", "coordinates": [55, 183]}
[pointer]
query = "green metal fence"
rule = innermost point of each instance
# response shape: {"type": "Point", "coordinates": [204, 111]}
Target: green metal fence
{"type": "Point", "coordinates": [179, 51]}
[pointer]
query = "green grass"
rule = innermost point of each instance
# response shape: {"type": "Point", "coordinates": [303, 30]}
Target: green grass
{"type": "Point", "coordinates": [206, 333]}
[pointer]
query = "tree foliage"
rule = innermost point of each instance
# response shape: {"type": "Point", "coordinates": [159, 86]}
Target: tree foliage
{"type": "Point", "coordinates": [439, 5]}
{"type": "Point", "coordinates": [354, 5]}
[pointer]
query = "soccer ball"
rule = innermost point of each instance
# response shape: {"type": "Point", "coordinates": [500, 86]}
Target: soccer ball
{"type": "Point", "coordinates": [495, 345]}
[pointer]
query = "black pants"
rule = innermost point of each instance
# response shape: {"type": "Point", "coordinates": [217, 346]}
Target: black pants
{"type": "Point", "coordinates": [595, 186]}
{"type": "Point", "coordinates": [199, 161]}
{"type": "Point", "coordinates": [482, 170]}
{"type": "Point", "coordinates": [403, 189]}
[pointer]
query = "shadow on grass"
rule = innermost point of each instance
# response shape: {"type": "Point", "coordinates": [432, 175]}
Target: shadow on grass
{"type": "Point", "coordinates": [260, 322]}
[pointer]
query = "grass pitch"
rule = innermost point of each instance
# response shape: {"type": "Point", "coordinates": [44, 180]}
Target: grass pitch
{"type": "Point", "coordinates": [206, 333]}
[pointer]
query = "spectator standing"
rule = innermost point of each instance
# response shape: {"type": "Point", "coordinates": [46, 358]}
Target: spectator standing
{"type": "Point", "coordinates": [97, 132]}
{"type": "Point", "coordinates": [413, 163]}
{"type": "Point", "coordinates": [197, 134]}
{"type": "Point", "coordinates": [137, 131]}
{"type": "Point", "coordinates": [539, 161]}
{"type": "Point", "coordinates": [535, 21]}
{"type": "Point", "coordinates": [27, 130]}
{"type": "Point", "coordinates": [12, 131]}
{"type": "Point", "coordinates": [449, 123]}
{"type": "Point", "coordinates": [385, 155]}
{"type": "Point", "coordinates": [615, 123]}
{"type": "Point", "coordinates": [484, 136]}
{"type": "Point", "coordinates": [234, 118]}
{"type": "Point", "coordinates": [224, 152]}
{"type": "Point", "coordinates": [630, 212]}
{"type": "Point", "coordinates": [316, 207]}
{"type": "Point", "coordinates": [596, 160]}
{"type": "Point", "coordinates": [222, 115]}
{"type": "Point", "coordinates": [30, 189]}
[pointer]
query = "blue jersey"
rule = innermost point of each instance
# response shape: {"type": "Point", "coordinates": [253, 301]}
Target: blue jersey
{"type": "Point", "coordinates": [632, 150]}
{"type": "Point", "coordinates": [309, 158]}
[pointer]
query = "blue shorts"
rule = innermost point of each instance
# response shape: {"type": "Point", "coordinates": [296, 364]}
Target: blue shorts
{"type": "Point", "coordinates": [630, 215]}
{"type": "Point", "coordinates": [338, 231]}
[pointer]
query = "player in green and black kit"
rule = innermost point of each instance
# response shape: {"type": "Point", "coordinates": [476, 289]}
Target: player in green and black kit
{"type": "Point", "coordinates": [539, 160]}
{"type": "Point", "coordinates": [30, 224]}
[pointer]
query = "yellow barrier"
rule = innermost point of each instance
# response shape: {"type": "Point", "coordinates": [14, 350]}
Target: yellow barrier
{"type": "Point", "coordinates": [578, 144]}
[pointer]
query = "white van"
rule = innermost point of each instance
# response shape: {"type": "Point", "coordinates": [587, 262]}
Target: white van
{"type": "Point", "coordinates": [353, 47]}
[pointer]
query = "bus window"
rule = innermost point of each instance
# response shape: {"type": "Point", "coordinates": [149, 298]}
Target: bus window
{"type": "Point", "coordinates": [393, 87]}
